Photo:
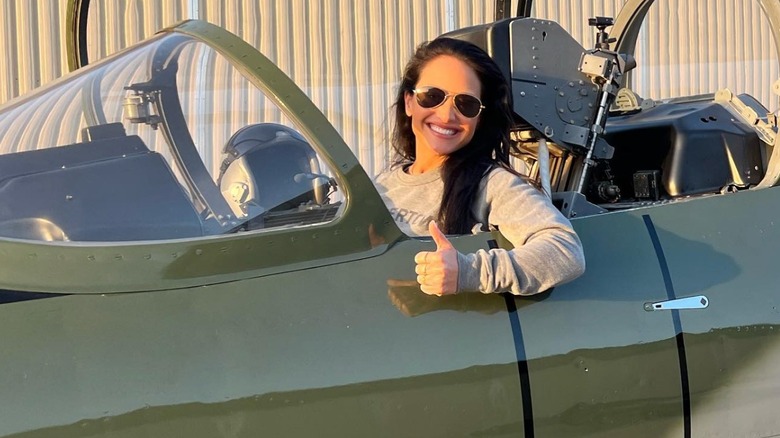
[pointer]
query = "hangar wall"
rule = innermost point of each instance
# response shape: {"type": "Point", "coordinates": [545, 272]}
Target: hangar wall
{"type": "Point", "coordinates": [326, 45]}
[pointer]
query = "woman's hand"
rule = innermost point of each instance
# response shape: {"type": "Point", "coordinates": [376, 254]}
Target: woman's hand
{"type": "Point", "coordinates": [437, 272]}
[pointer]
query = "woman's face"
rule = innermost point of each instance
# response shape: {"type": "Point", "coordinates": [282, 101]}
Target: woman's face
{"type": "Point", "coordinates": [443, 130]}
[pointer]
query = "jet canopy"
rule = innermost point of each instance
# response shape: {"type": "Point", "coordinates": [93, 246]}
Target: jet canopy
{"type": "Point", "coordinates": [168, 139]}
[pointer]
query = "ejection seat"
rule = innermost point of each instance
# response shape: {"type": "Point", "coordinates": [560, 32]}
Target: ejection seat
{"type": "Point", "coordinates": [270, 175]}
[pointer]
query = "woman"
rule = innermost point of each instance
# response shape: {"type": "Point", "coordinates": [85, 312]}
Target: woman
{"type": "Point", "coordinates": [451, 133]}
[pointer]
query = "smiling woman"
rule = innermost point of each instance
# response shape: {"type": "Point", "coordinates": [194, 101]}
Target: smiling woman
{"type": "Point", "coordinates": [452, 138]}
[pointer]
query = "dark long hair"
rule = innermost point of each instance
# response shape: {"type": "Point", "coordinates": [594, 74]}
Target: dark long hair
{"type": "Point", "coordinates": [490, 147]}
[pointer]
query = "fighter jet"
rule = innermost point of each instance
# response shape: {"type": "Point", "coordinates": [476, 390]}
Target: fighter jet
{"type": "Point", "coordinates": [172, 267]}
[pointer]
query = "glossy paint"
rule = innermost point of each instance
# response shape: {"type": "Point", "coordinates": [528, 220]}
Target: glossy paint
{"type": "Point", "coordinates": [289, 354]}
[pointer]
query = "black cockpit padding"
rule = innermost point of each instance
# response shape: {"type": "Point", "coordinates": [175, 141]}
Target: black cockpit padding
{"type": "Point", "coordinates": [697, 146]}
{"type": "Point", "coordinates": [21, 163]}
{"type": "Point", "coordinates": [104, 131]}
{"type": "Point", "coordinates": [114, 190]}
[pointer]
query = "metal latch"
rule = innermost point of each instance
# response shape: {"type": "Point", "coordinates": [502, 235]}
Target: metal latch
{"type": "Point", "coordinates": [697, 302]}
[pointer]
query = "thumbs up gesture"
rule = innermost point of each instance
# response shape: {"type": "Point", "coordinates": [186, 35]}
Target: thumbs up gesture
{"type": "Point", "coordinates": [437, 271]}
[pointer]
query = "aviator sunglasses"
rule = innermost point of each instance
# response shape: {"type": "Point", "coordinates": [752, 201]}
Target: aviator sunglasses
{"type": "Point", "coordinates": [431, 97]}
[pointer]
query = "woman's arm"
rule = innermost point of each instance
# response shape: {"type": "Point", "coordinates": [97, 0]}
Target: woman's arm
{"type": "Point", "coordinates": [547, 251]}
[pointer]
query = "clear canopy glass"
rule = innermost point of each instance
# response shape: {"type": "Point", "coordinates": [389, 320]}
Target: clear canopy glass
{"type": "Point", "coordinates": [166, 139]}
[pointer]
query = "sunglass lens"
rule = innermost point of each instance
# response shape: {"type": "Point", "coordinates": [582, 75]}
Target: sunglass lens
{"type": "Point", "coordinates": [469, 106]}
{"type": "Point", "coordinates": [431, 97]}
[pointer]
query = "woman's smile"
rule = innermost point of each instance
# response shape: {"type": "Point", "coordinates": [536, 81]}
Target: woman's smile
{"type": "Point", "coordinates": [441, 130]}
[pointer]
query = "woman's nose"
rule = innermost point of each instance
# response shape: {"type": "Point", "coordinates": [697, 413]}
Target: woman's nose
{"type": "Point", "coordinates": [446, 111]}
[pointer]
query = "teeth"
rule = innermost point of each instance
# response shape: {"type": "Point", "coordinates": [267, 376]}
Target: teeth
{"type": "Point", "coordinates": [443, 131]}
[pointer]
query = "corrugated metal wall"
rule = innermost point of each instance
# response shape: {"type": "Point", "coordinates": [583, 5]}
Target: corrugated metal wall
{"type": "Point", "coordinates": [736, 45]}
{"type": "Point", "coordinates": [33, 50]}
{"type": "Point", "coordinates": [719, 42]}
{"type": "Point", "coordinates": [328, 46]}
{"type": "Point", "coordinates": [573, 16]}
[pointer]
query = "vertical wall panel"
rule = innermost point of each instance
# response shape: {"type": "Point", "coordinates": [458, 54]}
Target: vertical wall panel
{"type": "Point", "coordinates": [50, 66]}
{"type": "Point", "coordinates": [9, 62]}
{"type": "Point", "coordinates": [27, 42]}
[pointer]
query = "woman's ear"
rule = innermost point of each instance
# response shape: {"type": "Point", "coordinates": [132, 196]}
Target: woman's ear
{"type": "Point", "coordinates": [408, 97]}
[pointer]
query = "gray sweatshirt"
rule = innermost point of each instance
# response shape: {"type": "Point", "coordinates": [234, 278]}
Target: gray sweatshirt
{"type": "Point", "coordinates": [546, 251]}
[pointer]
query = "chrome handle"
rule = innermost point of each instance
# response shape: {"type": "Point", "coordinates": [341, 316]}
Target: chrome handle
{"type": "Point", "coordinates": [697, 302]}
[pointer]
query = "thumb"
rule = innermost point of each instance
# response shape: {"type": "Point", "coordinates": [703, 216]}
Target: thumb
{"type": "Point", "coordinates": [438, 237]}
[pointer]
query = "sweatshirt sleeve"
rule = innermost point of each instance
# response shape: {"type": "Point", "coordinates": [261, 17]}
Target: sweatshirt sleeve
{"type": "Point", "coordinates": [547, 251]}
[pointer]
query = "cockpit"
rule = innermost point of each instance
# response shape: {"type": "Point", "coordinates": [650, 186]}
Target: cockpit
{"type": "Point", "coordinates": [146, 146]}
{"type": "Point", "coordinates": [598, 145]}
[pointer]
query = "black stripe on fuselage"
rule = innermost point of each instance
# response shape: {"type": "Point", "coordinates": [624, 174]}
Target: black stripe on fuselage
{"type": "Point", "coordinates": [15, 296]}
{"type": "Point", "coordinates": [522, 365]}
{"type": "Point", "coordinates": [522, 362]}
{"type": "Point", "coordinates": [686, 392]}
